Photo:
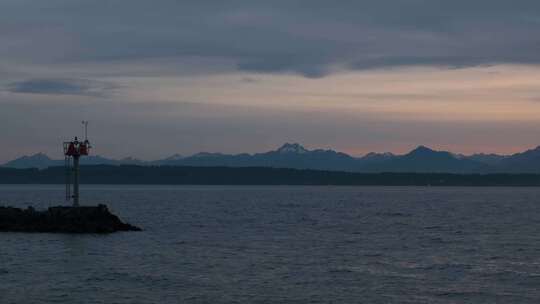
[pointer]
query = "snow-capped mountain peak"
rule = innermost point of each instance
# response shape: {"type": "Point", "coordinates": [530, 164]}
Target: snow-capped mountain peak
{"type": "Point", "coordinates": [175, 157]}
{"type": "Point", "coordinates": [292, 148]}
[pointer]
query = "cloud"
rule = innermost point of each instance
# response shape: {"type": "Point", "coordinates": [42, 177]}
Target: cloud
{"type": "Point", "coordinates": [81, 87]}
{"type": "Point", "coordinates": [250, 80]}
{"type": "Point", "coordinates": [311, 38]}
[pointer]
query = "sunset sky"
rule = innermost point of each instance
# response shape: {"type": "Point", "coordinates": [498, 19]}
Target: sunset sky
{"type": "Point", "coordinates": [155, 78]}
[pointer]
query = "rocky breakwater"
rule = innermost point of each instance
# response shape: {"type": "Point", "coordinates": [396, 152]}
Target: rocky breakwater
{"type": "Point", "coordinates": [85, 219]}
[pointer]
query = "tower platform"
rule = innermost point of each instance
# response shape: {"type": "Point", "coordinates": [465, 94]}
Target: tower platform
{"type": "Point", "coordinates": [85, 219]}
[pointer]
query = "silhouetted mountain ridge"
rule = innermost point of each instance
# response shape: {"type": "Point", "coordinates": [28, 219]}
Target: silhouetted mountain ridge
{"type": "Point", "coordinates": [293, 155]}
{"type": "Point", "coordinates": [38, 160]}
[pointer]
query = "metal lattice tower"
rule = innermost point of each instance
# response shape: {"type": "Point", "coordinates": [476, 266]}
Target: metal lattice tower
{"type": "Point", "coordinates": [73, 150]}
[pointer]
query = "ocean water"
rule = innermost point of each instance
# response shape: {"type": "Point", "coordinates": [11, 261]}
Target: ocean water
{"type": "Point", "coordinates": [282, 245]}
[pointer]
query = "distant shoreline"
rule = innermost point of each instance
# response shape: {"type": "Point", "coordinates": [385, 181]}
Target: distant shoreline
{"type": "Point", "coordinates": [171, 175]}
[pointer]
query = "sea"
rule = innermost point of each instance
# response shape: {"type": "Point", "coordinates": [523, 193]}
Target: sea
{"type": "Point", "coordinates": [282, 244]}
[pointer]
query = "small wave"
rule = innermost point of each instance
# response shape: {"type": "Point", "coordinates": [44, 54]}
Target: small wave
{"type": "Point", "coordinates": [509, 273]}
{"type": "Point", "coordinates": [450, 266]}
{"type": "Point", "coordinates": [452, 294]}
{"type": "Point", "coordinates": [340, 270]}
{"type": "Point", "coordinates": [437, 240]}
{"type": "Point", "coordinates": [393, 214]}
{"type": "Point", "coordinates": [289, 205]}
{"type": "Point", "coordinates": [373, 255]}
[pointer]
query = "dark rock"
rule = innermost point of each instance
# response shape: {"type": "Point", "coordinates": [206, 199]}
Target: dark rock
{"type": "Point", "coordinates": [91, 219]}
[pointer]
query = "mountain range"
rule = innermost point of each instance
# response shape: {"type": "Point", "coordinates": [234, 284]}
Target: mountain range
{"type": "Point", "coordinates": [293, 155]}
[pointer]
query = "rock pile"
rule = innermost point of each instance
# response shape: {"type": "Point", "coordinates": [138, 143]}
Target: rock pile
{"type": "Point", "coordinates": [86, 219]}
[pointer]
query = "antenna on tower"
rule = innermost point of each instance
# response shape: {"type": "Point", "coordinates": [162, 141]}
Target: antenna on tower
{"type": "Point", "coordinates": [85, 124]}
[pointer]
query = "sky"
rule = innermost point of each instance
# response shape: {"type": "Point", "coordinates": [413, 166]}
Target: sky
{"type": "Point", "coordinates": [156, 78]}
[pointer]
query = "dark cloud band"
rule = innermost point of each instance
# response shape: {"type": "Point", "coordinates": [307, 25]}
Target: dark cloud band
{"type": "Point", "coordinates": [61, 87]}
{"type": "Point", "coordinates": [304, 37]}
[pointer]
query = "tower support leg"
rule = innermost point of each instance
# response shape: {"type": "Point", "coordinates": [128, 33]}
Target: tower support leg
{"type": "Point", "coordinates": [76, 181]}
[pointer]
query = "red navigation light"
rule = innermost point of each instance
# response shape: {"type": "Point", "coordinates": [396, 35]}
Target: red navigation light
{"type": "Point", "coordinates": [71, 150]}
{"type": "Point", "coordinates": [83, 149]}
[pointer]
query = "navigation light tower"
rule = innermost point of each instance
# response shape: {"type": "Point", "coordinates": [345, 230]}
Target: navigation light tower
{"type": "Point", "coordinates": [73, 150]}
